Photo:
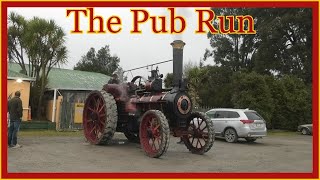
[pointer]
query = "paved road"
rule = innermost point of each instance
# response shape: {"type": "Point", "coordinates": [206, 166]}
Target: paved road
{"type": "Point", "coordinates": [73, 154]}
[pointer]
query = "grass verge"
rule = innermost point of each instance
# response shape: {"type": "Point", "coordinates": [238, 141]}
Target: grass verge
{"type": "Point", "coordinates": [50, 133]}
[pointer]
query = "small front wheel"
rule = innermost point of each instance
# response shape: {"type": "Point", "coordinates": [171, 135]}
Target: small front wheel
{"type": "Point", "coordinates": [201, 135]}
{"type": "Point", "coordinates": [154, 133]}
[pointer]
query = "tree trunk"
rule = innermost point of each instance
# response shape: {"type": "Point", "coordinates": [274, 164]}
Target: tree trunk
{"type": "Point", "coordinates": [43, 77]}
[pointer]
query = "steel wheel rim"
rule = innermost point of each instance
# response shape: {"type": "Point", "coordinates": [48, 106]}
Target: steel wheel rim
{"type": "Point", "coordinates": [229, 135]}
{"type": "Point", "coordinates": [151, 134]}
{"type": "Point", "coordinates": [94, 114]}
{"type": "Point", "coordinates": [198, 136]}
{"type": "Point", "coordinates": [304, 131]}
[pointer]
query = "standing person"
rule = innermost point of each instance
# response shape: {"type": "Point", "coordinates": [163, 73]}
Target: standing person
{"type": "Point", "coordinates": [114, 79]}
{"type": "Point", "coordinates": [15, 112]}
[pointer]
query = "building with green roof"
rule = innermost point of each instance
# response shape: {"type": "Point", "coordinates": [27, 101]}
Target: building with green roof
{"type": "Point", "coordinates": [65, 93]}
{"type": "Point", "coordinates": [66, 79]}
{"type": "Point", "coordinates": [16, 75]}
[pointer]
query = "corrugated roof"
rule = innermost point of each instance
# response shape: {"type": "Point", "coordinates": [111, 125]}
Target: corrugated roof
{"type": "Point", "coordinates": [66, 79]}
{"type": "Point", "coordinates": [16, 75]}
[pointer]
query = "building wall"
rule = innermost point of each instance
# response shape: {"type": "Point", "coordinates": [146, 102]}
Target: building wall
{"type": "Point", "coordinates": [49, 109]}
{"type": "Point", "coordinates": [24, 88]}
{"type": "Point", "coordinates": [71, 109]}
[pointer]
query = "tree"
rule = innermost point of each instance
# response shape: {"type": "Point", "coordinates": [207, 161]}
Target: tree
{"type": "Point", "coordinates": [231, 50]}
{"type": "Point", "coordinates": [168, 80]}
{"type": "Point", "coordinates": [101, 61]}
{"type": "Point", "coordinates": [250, 90]}
{"type": "Point", "coordinates": [16, 40]}
{"type": "Point", "coordinates": [292, 103]}
{"type": "Point", "coordinates": [211, 85]}
{"type": "Point", "coordinates": [43, 42]}
{"type": "Point", "coordinates": [285, 41]}
{"type": "Point", "coordinates": [281, 46]}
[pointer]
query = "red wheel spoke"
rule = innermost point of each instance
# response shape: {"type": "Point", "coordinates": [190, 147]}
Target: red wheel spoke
{"type": "Point", "coordinates": [98, 104]}
{"type": "Point", "coordinates": [94, 101]}
{"type": "Point", "coordinates": [159, 142]}
{"type": "Point", "coordinates": [205, 134]}
{"type": "Point", "coordinates": [197, 142]}
{"type": "Point", "coordinates": [149, 125]}
{"type": "Point", "coordinates": [89, 121]}
{"type": "Point", "coordinates": [201, 122]}
{"type": "Point", "coordinates": [101, 108]}
{"type": "Point", "coordinates": [153, 146]}
{"type": "Point", "coordinates": [97, 133]}
{"type": "Point", "coordinates": [92, 110]}
{"type": "Point", "coordinates": [192, 139]}
{"type": "Point", "coordinates": [203, 128]}
{"type": "Point", "coordinates": [103, 123]}
{"type": "Point", "coordinates": [93, 128]}
{"type": "Point", "coordinates": [156, 127]}
{"type": "Point", "coordinates": [200, 142]}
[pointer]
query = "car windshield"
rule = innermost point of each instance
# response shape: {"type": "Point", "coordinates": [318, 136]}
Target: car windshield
{"type": "Point", "coordinates": [253, 115]}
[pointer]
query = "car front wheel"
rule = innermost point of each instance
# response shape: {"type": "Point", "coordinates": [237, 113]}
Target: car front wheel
{"type": "Point", "coordinates": [231, 135]}
{"type": "Point", "coordinates": [304, 131]}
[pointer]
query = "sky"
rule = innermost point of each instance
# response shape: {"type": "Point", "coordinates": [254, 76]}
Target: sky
{"type": "Point", "coordinates": [134, 50]}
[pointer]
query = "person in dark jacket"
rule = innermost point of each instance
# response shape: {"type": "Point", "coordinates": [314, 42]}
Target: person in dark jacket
{"type": "Point", "coordinates": [114, 79]}
{"type": "Point", "coordinates": [15, 112]}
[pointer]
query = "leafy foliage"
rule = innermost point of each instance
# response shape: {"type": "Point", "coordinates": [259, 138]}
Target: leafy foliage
{"type": "Point", "coordinates": [43, 43]}
{"type": "Point", "coordinates": [168, 80]}
{"type": "Point", "coordinates": [282, 44]}
{"type": "Point", "coordinates": [269, 71]}
{"type": "Point", "coordinates": [16, 40]}
{"type": "Point", "coordinates": [250, 90]}
{"type": "Point", "coordinates": [293, 103]}
{"type": "Point", "coordinates": [101, 61]}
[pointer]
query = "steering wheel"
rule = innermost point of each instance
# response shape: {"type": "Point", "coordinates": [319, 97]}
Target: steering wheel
{"type": "Point", "coordinates": [139, 81]}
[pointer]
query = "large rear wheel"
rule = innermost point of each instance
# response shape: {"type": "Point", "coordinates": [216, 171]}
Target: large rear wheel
{"type": "Point", "coordinates": [99, 117]}
{"type": "Point", "coordinates": [201, 135]}
{"type": "Point", "coordinates": [154, 133]}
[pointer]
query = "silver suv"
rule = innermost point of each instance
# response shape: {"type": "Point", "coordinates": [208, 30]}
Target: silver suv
{"type": "Point", "coordinates": [237, 123]}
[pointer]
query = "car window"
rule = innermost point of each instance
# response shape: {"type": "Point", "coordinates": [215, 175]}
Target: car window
{"type": "Point", "coordinates": [210, 114]}
{"type": "Point", "coordinates": [233, 114]}
{"type": "Point", "coordinates": [253, 115]}
{"type": "Point", "coordinates": [221, 114]}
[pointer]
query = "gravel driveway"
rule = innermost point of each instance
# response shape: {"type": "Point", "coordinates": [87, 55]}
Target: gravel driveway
{"type": "Point", "coordinates": [72, 154]}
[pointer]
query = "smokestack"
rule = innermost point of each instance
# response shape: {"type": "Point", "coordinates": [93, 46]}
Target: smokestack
{"type": "Point", "coordinates": [177, 46]}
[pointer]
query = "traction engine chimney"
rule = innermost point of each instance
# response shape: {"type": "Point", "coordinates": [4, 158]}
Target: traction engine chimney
{"type": "Point", "coordinates": [177, 46]}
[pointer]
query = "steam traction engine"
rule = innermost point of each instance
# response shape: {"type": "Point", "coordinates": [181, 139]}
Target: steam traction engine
{"type": "Point", "coordinates": [147, 113]}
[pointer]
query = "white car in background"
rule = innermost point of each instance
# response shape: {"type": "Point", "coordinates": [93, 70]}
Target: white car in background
{"type": "Point", "coordinates": [233, 124]}
{"type": "Point", "coordinates": [305, 129]}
